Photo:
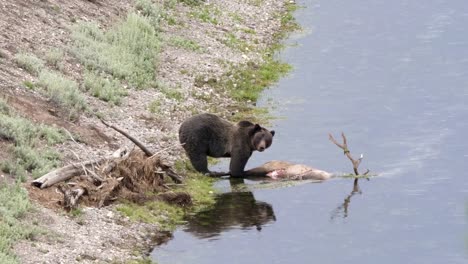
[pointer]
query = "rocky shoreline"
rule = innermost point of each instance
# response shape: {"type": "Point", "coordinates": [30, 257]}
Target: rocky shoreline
{"type": "Point", "coordinates": [201, 45]}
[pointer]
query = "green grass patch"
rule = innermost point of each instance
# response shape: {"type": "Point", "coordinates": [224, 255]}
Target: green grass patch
{"type": "Point", "coordinates": [145, 260]}
{"type": "Point", "coordinates": [255, 2]}
{"type": "Point", "coordinates": [24, 132]}
{"type": "Point", "coordinates": [207, 14]}
{"type": "Point", "coordinates": [53, 57]}
{"type": "Point", "coordinates": [29, 85]}
{"type": "Point", "coordinates": [106, 89]}
{"type": "Point", "coordinates": [200, 188]}
{"type": "Point", "coordinates": [288, 21]}
{"type": "Point", "coordinates": [127, 51]}
{"type": "Point", "coordinates": [155, 106]}
{"type": "Point", "coordinates": [173, 93]}
{"type": "Point", "coordinates": [63, 91]}
{"type": "Point", "coordinates": [150, 11]}
{"type": "Point", "coordinates": [234, 42]}
{"type": "Point", "coordinates": [57, 87]}
{"type": "Point", "coordinates": [246, 82]}
{"type": "Point", "coordinates": [30, 62]}
{"type": "Point", "coordinates": [184, 43]}
{"type": "Point", "coordinates": [4, 108]}
{"type": "Point", "coordinates": [260, 115]}
{"type": "Point", "coordinates": [3, 54]}
{"type": "Point", "coordinates": [167, 216]}
{"type": "Point", "coordinates": [14, 203]}
{"type": "Point", "coordinates": [249, 31]}
{"type": "Point", "coordinates": [34, 160]}
{"type": "Point", "coordinates": [31, 146]}
{"type": "Point", "coordinates": [192, 2]}
{"type": "Point", "coordinates": [236, 17]}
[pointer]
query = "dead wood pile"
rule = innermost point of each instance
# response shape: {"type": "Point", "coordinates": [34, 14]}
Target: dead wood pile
{"type": "Point", "coordinates": [137, 176]}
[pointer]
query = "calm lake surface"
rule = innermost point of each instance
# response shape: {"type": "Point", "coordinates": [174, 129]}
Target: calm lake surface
{"type": "Point", "coordinates": [392, 75]}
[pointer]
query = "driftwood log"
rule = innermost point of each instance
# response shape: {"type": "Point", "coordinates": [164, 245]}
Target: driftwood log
{"type": "Point", "coordinates": [75, 169]}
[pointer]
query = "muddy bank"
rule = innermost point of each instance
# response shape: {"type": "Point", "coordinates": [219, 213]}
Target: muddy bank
{"type": "Point", "coordinates": [201, 47]}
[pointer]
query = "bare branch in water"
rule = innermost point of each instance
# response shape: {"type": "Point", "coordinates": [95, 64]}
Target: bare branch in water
{"type": "Point", "coordinates": [346, 151]}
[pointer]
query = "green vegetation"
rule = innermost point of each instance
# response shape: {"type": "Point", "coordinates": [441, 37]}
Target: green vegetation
{"type": "Point", "coordinates": [4, 108]}
{"type": "Point", "coordinates": [145, 260]}
{"type": "Point", "coordinates": [63, 91]}
{"type": "Point", "coordinates": [155, 106]}
{"type": "Point", "coordinates": [3, 54]}
{"type": "Point", "coordinates": [192, 2]}
{"type": "Point", "coordinates": [53, 57]}
{"type": "Point", "coordinates": [246, 82]}
{"type": "Point", "coordinates": [29, 62]}
{"type": "Point", "coordinates": [167, 216]}
{"type": "Point", "coordinates": [233, 42]}
{"type": "Point", "coordinates": [173, 94]}
{"type": "Point", "coordinates": [126, 52]}
{"type": "Point", "coordinates": [150, 11]}
{"type": "Point", "coordinates": [29, 141]}
{"type": "Point", "coordinates": [106, 89]}
{"type": "Point", "coordinates": [57, 87]}
{"type": "Point", "coordinates": [236, 17]}
{"type": "Point", "coordinates": [248, 31]}
{"type": "Point", "coordinates": [255, 2]}
{"type": "Point", "coordinates": [288, 22]}
{"type": "Point", "coordinates": [29, 85]}
{"type": "Point", "coordinates": [259, 115]}
{"type": "Point", "coordinates": [207, 14]}
{"type": "Point", "coordinates": [14, 203]}
{"type": "Point", "coordinates": [184, 43]}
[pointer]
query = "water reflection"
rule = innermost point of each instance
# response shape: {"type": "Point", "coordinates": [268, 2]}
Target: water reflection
{"type": "Point", "coordinates": [343, 209]}
{"type": "Point", "coordinates": [231, 210]}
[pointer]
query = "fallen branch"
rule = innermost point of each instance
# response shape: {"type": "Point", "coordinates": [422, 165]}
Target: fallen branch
{"type": "Point", "coordinates": [134, 140]}
{"type": "Point", "coordinates": [176, 178]}
{"type": "Point", "coordinates": [356, 176]}
{"type": "Point", "coordinates": [346, 151]}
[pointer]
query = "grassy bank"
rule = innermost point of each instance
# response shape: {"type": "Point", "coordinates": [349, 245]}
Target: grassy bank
{"type": "Point", "coordinates": [14, 204]}
{"type": "Point", "coordinates": [198, 186]}
{"type": "Point", "coordinates": [31, 147]}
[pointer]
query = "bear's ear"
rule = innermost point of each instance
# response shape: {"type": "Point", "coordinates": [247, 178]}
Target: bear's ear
{"type": "Point", "coordinates": [272, 133]}
{"type": "Point", "coordinates": [254, 129]}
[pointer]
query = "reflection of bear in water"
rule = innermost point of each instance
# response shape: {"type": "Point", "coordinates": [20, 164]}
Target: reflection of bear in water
{"type": "Point", "coordinates": [231, 209]}
{"type": "Point", "coordinates": [209, 135]}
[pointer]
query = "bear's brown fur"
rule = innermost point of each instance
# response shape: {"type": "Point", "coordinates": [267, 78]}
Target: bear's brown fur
{"type": "Point", "coordinates": [209, 135]}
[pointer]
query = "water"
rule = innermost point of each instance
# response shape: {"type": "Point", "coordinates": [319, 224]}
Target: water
{"type": "Point", "coordinates": [393, 76]}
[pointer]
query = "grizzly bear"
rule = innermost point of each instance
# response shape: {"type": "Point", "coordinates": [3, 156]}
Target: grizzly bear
{"type": "Point", "coordinates": [209, 135]}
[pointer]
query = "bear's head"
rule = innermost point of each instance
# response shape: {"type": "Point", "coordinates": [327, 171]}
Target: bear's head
{"type": "Point", "coordinates": [261, 138]}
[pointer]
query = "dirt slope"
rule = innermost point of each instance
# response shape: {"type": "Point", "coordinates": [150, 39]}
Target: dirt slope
{"type": "Point", "coordinates": [37, 26]}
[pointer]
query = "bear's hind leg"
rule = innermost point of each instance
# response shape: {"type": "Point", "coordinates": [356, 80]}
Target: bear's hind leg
{"type": "Point", "coordinates": [200, 163]}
